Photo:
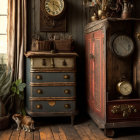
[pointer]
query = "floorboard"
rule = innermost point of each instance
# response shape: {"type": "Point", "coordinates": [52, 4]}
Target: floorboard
{"type": "Point", "coordinates": [55, 132]}
{"type": "Point", "coordinates": [36, 135]}
{"type": "Point", "coordinates": [15, 135]}
{"type": "Point", "coordinates": [70, 132]}
{"type": "Point", "coordinates": [6, 135]}
{"type": "Point", "coordinates": [22, 135]}
{"type": "Point", "coordinates": [46, 133]}
{"type": "Point", "coordinates": [62, 134]}
{"type": "Point", "coordinates": [63, 130]}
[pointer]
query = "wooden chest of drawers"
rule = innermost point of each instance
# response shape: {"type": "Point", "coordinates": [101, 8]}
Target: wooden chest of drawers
{"type": "Point", "coordinates": [51, 84]}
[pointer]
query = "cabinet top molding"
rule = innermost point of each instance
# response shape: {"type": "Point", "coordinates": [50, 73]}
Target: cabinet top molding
{"type": "Point", "coordinates": [101, 22]}
{"type": "Point", "coordinates": [49, 54]}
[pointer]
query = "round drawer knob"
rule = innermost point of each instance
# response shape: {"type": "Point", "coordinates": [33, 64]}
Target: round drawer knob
{"type": "Point", "coordinates": [51, 103]}
{"type": "Point", "coordinates": [38, 77]}
{"type": "Point", "coordinates": [39, 91]}
{"type": "Point", "coordinates": [67, 106]}
{"type": "Point", "coordinates": [66, 91]}
{"type": "Point", "coordinates": [66, 76]}
{"type": "Point", "coordinates": [38, 106]}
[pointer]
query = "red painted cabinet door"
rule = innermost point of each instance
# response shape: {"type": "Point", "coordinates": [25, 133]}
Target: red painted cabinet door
{"type": "Point", "coordinates": [96, 73]}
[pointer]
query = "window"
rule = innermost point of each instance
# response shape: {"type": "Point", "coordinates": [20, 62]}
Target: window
{"type": "Point", "coordinates": [3, 30]}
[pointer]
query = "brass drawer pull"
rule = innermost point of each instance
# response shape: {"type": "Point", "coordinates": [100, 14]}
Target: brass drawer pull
{"type": "Point", "coordinates": [38, 77]}
{"type": "Point", "coordinates": [39, 91]}
{"type": "Point", "coordinates": [66, 91]}
{"type": "Point", "coordinates": [66, 76]}
{"type": "Point", "coordinates": [51, 103]}
{"type": "Point", "coordinates": [38, 106]}
{"type": "Point", "coordinates": [67, 106]}
{"type": "Point", "coordinates": [44, 62]}
{"type": "Point", "coordinates": [64, 63]}
{"type": "Point", "coordinates": [125, 109]}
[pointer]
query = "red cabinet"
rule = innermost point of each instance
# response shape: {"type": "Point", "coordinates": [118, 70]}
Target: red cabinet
{"type": "Point", "coordinates": [104, 70]}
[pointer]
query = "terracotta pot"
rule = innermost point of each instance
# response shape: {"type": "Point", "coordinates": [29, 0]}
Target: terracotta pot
{"type": "Point", "coordinates": [4, 122]}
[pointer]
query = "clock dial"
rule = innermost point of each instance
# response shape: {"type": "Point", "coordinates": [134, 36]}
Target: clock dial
{"type": "Point", "coordinates": [125, 88]}
{"type": "Point", "coordinates": [123, 45]}
{"type": "Point", "coordinates": [54, 7]}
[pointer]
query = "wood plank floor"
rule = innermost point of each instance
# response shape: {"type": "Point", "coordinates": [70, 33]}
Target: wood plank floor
{"type": "Point", "coordinates": [61, 129]}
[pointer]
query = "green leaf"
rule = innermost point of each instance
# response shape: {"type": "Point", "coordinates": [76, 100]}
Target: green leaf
{"type": "Point", "coordinates": [17, 82]}
{"type": "Point", "coordinates": [17, 92]}
{"type": "Point", "coordinates": [21, 87]}
{"type": "Point", "coordinates": [13, 89]}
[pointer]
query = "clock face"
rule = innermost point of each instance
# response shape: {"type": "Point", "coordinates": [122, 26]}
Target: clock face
{"type": "Point", "coordinates": [123, 46]}
{"type": "Point", "coordinates": [54, 7]}
{"type": "Point", "coordinates": [125, 88]}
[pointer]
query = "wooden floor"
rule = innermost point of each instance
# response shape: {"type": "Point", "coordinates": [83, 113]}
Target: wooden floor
{"type": "Point", "coordinates": [61, 129]}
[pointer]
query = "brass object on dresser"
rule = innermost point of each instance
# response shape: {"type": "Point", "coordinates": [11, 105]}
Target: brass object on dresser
{"type": "Point", "coordinates": [51, 84]}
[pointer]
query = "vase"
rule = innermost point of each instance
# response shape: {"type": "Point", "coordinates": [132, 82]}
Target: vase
{"type": "Point", "coordinates": [127, 9]}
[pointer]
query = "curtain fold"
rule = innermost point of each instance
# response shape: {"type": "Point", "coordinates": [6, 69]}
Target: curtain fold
{"type": "Point", "coordinates": [17, 36]}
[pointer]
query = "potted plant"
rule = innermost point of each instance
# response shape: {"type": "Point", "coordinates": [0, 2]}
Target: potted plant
{"type": "Point", "coordinates": [10, 93]}
{"type": "Point", "coordinates": [5, 85]}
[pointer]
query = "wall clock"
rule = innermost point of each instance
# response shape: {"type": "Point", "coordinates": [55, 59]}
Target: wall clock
{"type": "Point", "coordinates": [54, 8]}
{"type": "Point", "coordinates": [122, 45]}
{"type": "Point", "coordinates": [52, 15]}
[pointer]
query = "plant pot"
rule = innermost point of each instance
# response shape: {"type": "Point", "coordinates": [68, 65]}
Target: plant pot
{"type": "Point", "coordinates": [2, 108]}
{"type": "Point", "coordinates": [4, 122]}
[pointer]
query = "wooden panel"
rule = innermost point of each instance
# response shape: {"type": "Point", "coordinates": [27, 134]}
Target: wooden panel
{"type": "Point", "coordinates": [96, 74]}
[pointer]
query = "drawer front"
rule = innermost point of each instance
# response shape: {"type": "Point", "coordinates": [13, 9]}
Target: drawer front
{"type": "Point", "coordinates": [52, 63]}
{"type": "Point", "coordinates": [58, 91]}
{"type": "Point", "coordinates": [53, 106]}
{"type": "Point", "coordinates": [129, 111]}
{"type": "Point", "coordinates": [52, 77]}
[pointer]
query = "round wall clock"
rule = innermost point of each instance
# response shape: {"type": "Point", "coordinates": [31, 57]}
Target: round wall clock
{"type": "Point", "coordinates": [122, 45]}
{"type": "Point", "coordinates": [124, 88]}
{"type": "Point", "coordinates": [54, 8]}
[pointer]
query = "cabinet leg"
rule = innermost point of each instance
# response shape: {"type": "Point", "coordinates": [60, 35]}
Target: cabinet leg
{"type": "Point", "coordinates": [72, 120]}
{"type": "Point", "coordinates": [109, 132]}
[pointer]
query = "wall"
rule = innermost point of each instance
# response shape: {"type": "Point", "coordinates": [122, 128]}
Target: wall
{"type": "Point", "coordinates": [75, 26]}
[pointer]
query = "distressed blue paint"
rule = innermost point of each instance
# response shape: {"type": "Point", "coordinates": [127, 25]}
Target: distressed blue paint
{"type": "Point", "coordinates": [57, 91]}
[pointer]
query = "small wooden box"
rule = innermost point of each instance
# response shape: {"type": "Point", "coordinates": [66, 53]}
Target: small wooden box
{"type": "Point", "coordinates": [63, 45]}
{"type": "Point", "coordinates": [40, 45]}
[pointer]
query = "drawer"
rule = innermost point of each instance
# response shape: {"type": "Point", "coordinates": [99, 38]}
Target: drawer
{"type": "Point", "coordinates": [52, 77]}
{"type": "Point", "coordinates": [54, 62]}
{"type": "Point", "coordinates": [52, 106]}
{"type": "Point", "coordinates": [57, 91]}
{"type": "Point", "coordinates": [124, 110]}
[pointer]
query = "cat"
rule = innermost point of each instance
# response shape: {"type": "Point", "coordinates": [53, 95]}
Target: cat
{"type": "Point", "coordinates": [23, 122]}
